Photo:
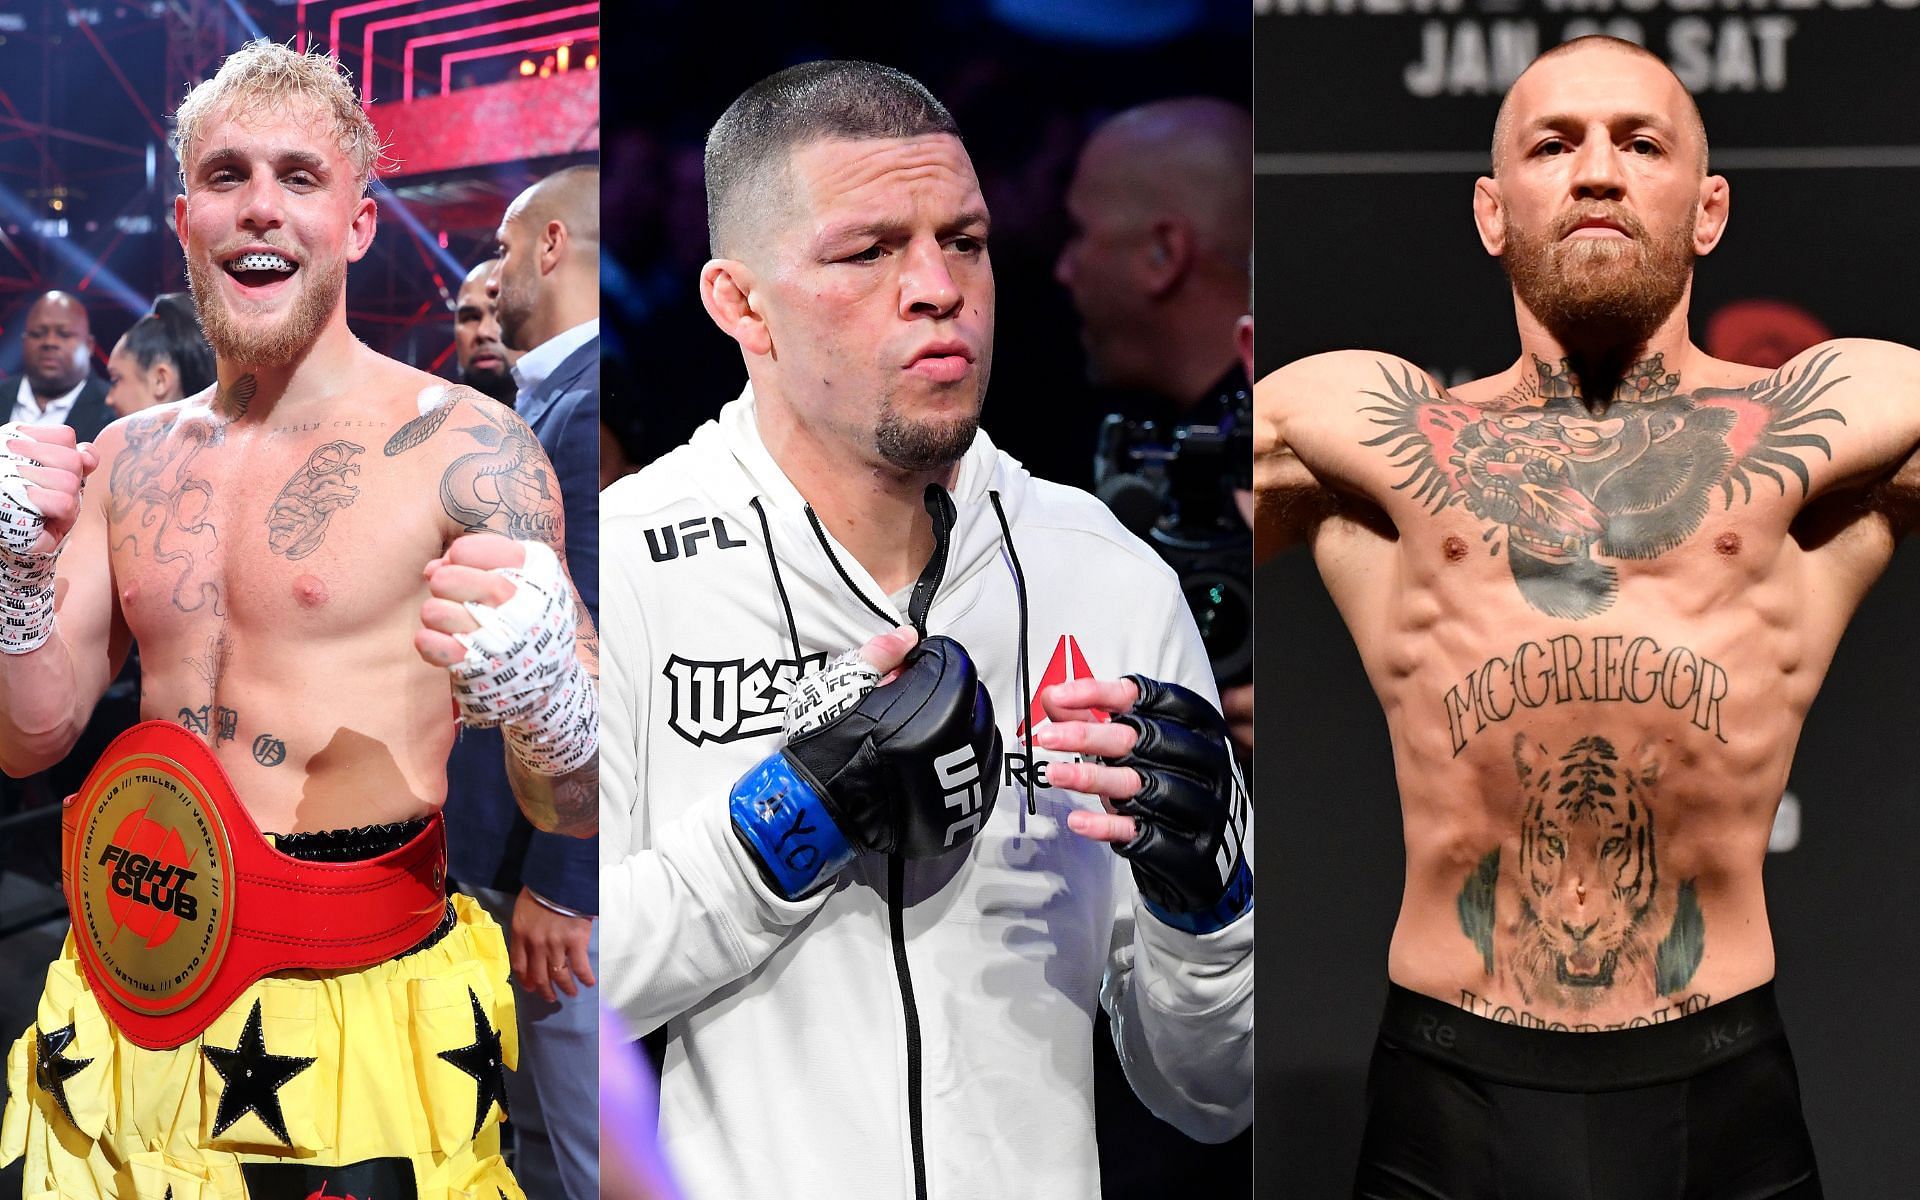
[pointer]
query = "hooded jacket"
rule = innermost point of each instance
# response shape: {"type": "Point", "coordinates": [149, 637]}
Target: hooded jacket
{"type": "Point", "coordinates": [918, 1028]}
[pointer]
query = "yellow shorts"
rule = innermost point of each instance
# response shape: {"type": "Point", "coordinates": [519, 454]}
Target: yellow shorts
{"type": "Point", "coordinates": [313, 1083]}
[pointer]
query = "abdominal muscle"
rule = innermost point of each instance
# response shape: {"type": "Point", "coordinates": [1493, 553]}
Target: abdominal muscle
{"type": "Point", "coordinates": [329, 734]}
{"type": "Point", "coordinates": [1586, 813]}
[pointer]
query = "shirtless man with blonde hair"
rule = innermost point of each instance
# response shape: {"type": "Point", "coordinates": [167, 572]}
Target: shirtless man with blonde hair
{"type": "Point", "coordinates": [329, 559]}
{"type": "Point", "coordinates": [1596, 594]}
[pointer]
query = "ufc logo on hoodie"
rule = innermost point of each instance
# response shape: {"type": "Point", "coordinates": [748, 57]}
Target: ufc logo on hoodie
{"type": "Point", "coordinates": [959, 774]}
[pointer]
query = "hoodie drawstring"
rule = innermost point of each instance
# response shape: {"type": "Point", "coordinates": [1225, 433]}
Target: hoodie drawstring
{"type": "Point", "coordinates": [940, 507]}
{"type": "Point", "coordinates": [820, 534]}
{"type": "Point", "coordinates": [780, 585]}
{"type": "Point", "coordinates": [1026, 685]}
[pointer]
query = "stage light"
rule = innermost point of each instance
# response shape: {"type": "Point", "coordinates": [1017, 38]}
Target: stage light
{"type": "Point", "coordinates": [561, 55]}
{"type": "Point", "coordinates": [56, 204]}
{"type": "Point", "coordinates": [527, 67]}
{"type": "Point", "coordinates": [443, 239]}
{"type": "Point", "coordinates": [593, 62]}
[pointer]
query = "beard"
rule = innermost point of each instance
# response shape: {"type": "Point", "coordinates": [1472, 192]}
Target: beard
{"type": "Point", "coordinates": [498, 384]}
{"type": "Point", "coordinates": [1591, 292]}
{"type": "Point", "coordinates": [514, 310]}
{"type": "Point", "coordinates": [234, 341]}
{"type": "Point", "coordinates": [928, 443]}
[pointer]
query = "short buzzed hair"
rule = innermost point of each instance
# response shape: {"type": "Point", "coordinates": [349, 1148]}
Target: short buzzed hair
{"type": "Point", "coordinates": [1503, 123]}
{"type": "Point", "coordinates": [264, 75]}
{"type": "Point", "coordinates": [571, 196]}
{"type": "Point", "coordinates": [818, 101]}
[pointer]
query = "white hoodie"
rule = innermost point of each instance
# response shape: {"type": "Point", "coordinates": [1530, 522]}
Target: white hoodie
{"type": "Point", "coordinates": [790, 1069]}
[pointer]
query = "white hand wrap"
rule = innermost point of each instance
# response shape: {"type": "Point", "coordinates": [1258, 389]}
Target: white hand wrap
{"type": "Point", "coordinates": [26, 578]}
{"type": "Point", "coordinates": [521, 673]}
{"type": "Point", "coordinates": [824, 695]}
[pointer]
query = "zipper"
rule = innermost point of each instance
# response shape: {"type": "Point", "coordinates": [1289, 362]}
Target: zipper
{"type": "Point", "coordinates": [896, 920]}
{"type": "Point", "coordinates": [941, 508]}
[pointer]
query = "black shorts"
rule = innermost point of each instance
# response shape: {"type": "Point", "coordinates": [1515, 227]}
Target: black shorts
{"type": "Point", "coordinates": [1705, 1107]}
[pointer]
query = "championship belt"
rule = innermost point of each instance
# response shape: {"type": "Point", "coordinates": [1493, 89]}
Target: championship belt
{"type": "Point", "coordinates": [179, 903]}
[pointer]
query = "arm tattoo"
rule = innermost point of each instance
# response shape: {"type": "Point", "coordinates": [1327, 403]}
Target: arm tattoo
{"type": "Point", "coordinates": [418, 430]}
{"type": "Point", "coordinates": [1585, 903]}
{"type": "Point", "coordinates": [158, 506]}
{"type": "Point", "coordinates": [506, 487]}
{"type": "Point", "coordinates": [568, 804]}
{"type": "Point", "coordinates": [1565, 482]}
{"type": "Point", "coordinates": [297, 522]}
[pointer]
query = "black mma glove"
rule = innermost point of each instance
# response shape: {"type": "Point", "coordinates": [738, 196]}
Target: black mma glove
{"type": "Point", "coordinates": [908, 768]}
{"type": "Point", "coordinates": [1190, 813]}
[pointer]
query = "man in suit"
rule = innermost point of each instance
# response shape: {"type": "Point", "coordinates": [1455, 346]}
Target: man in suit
{"type": "Point", "coordinates": [55, 385]}
{"type": "Point", "coordinates": [546, 889]}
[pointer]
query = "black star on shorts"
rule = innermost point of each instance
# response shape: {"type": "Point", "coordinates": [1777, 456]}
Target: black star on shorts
{"type": "Point", "coordinates": [253, 1079]}
{"type": "Point", "coordinates": [482, 1061]}
{"type": "Point", "coordinates": [51, 1067]}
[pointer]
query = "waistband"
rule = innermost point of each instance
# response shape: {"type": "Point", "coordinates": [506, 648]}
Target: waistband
{"type": "Point", "coordinates": [1610, 1060]}
{"type": "Point", "coordinates": [349, 845]}
{"type": "Point", "coordinates": [179, 902]}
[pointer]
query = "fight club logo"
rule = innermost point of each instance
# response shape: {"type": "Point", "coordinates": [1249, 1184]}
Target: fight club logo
{"type": "Point", "coordinates": [149, 870]}
{"type": "Point", "coordinates": [728, 699]}
{"type": "Point", "coordinates": [1066, 664]}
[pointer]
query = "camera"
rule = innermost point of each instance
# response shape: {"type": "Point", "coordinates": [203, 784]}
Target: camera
{"type": "Point", "coordinates": [1172, 485]}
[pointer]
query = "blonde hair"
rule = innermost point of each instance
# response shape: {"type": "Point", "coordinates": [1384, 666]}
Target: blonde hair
{"type": "Point", "coordinates": [265, 75]}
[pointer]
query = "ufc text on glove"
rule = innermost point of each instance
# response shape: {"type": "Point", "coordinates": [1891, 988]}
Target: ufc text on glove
{"type": "Point", "coordinates": [909, 769]}
{"type": "Point", "coordinates": [1189, 851]}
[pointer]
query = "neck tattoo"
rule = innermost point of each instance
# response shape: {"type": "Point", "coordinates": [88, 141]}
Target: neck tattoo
{"type": "Point", "coordinates": [234, 399]}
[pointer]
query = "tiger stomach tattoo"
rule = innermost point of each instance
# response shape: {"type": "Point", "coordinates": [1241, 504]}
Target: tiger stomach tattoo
{"type": "Point", "coordinates": [1584, 917]}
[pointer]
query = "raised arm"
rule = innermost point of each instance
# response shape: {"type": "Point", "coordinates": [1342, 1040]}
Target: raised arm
{"type": "Point", "coordinates": [532, 664]}
{"type": "Point", "coordinates": [1318, 429]}
{"type": "Point", "coordinates": [63, 639]}
{"type": "Point", "coordinates": [1870, 393]}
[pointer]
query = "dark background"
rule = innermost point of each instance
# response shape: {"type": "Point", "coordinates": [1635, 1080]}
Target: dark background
{"type": "Point", "coordinates": [1025, 101]}
{"type": "Point", "coordinates": [1025, 98]}
{"type": "Point", "coordinates": [1365, 239]}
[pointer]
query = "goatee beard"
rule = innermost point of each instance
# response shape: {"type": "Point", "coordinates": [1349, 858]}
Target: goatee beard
{"type": "Point", "coordinates": [917, 446]}
{"type": "Point", "coordinates": [1594, 294]}
{"type": "Point", "coordinates": [277, 345]}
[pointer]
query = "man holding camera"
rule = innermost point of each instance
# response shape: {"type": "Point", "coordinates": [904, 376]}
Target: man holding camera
{"type": "Point", "coordinates": [1157, 261]}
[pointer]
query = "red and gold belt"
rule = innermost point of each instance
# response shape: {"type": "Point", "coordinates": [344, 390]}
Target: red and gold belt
{"type": "Point", "coordinates": [179, 902]}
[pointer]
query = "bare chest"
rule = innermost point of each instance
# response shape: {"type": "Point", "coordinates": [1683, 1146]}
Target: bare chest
{"type": "Point", "coordinates": [304, 532]}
